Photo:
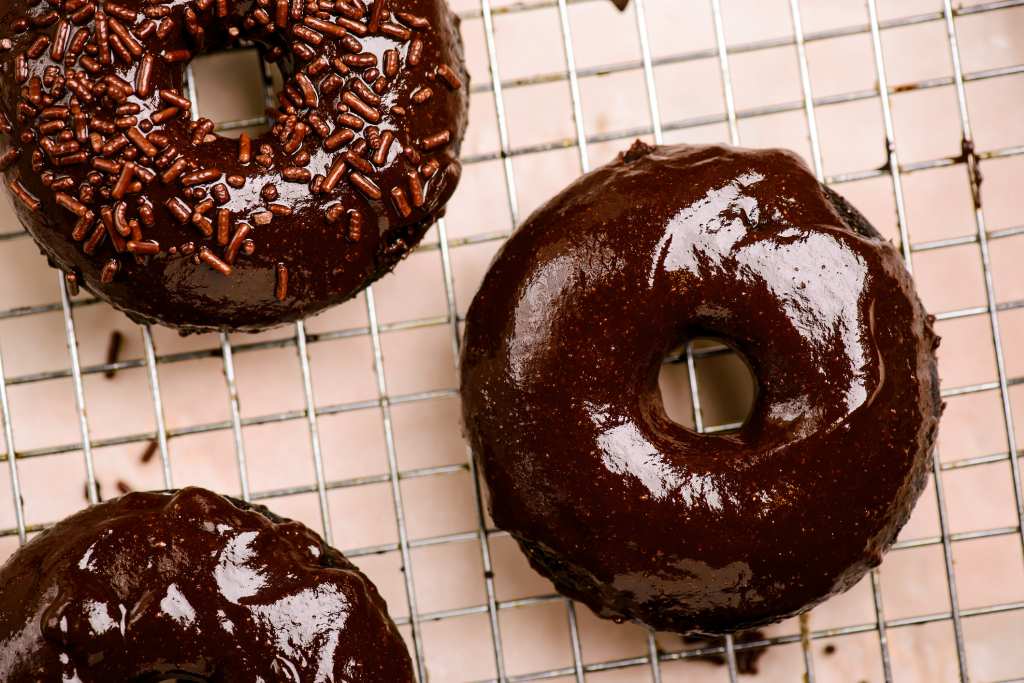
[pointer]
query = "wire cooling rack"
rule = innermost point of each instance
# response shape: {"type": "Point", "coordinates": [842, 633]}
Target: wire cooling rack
{"type": "Point", "coordinates": [648, 665]}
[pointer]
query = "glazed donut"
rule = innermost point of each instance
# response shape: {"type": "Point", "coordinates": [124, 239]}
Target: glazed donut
{"type": "Point", "coordinates": [637, 516]}
{"type": "Point", "coordinates": [190, 584]}
{"type": "Point", "coordinates": [174, 224]}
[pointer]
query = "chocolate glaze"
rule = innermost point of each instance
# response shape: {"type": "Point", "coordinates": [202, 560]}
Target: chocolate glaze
{"type": "Point", "coordinates": [191, 584]}
{"type": "Point", "coordinates": [628, 511]}
{"type": "Point", "coordinates": [356, 78]}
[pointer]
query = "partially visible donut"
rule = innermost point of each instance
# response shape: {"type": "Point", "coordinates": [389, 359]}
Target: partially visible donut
{"type": "Point", "coordinates": [189, 584]}
{"type": "Point", "coordinates": [174, 224]}
{"type": "Point", "coordinates": [637, 516]}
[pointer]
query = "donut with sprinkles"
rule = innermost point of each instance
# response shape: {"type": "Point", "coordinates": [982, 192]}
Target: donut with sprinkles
{"type": "Point", "coordinates": [136, 197]}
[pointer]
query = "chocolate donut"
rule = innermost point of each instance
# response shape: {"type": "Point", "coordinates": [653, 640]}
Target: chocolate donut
{"type": "Point", "coordinates": [637, 516]}
{"type": "Point", "coordinates": [172, 223]}
{"type": "Point", "coordinates": [189, 584]}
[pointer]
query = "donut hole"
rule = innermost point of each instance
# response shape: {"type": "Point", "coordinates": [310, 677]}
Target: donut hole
{"type": "Point", "coordinates": [231, 88]}
{"type": "Point", "coordinates": [725, 386]}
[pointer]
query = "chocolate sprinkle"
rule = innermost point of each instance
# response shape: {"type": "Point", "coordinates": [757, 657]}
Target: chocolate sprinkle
{"type": "Point", "coordinates": [415, 188]}
{"type": "Point", "coordinates": [206, 175]}
{"type": "Point", "coordinates": [223, 225]}
{"type": "Point", "coordinates": [436, 140]}
{"type": "Point", "coordinates": [71, 280]}
{"type": "Point", "coordinates": [401, 203]}
{"type": "Point", "coordinates": [146, 248]}
{"type": "Point", "coordinates": [295, 174]}
{"type": "Point", "coordinates": [110, 269]}
{"type": "Point", "coordinates": [281, 289]}
{"type": "Point", "coordinates": [241, 232]}
{"type": "Point", "coordinates": [23, 195]}
{"type": "Point", "coordinates": [355, 226]}
{"type": "Point", "coordinates": [208, 257]}
{"type": "Point", "coordinates": [365, 185]}
{"type": "Point", "coordinates": [448, 76]}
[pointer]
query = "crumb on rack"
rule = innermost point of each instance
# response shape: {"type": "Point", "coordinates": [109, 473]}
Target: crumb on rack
{"type": "Point", "coordinates": [113, 352]}
{"type": "Point", "coordinates": [746, 658]}
{"type": "Point", "coordinates": [150, 451]}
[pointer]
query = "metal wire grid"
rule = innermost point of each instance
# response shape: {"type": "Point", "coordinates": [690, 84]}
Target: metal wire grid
{"type": "Point", "coordinates": [982, 237]}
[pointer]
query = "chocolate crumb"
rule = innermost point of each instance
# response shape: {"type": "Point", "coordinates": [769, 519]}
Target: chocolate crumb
{"type": "Point", "coordinates": [638, 150]}
{"type": "Point", "coordinates": [99, 492]}
{"type": "Point", "coordinates": [113, 352]}
{"type": "Point", "coordinates": [746, 659]}
{"type": "Point", "coordinates": [150, 451]}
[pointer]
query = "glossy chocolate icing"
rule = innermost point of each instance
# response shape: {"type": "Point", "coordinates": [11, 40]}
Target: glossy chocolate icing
{"type": "Point", "coordinates": [189, 583]}
{"type": "Point", "coordinates": [637, 516]}
{"type": "Point", "coordinates": [360, 162]}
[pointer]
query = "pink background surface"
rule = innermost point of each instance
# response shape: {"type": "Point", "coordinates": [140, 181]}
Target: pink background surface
{"type": "Point", "coordinates": [418, 367]}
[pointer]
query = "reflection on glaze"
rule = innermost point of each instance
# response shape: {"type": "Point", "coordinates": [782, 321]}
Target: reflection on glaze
{"type": "Point", "coordinates": [188, 583]}
{"type": "Point", "coordinates": [235, 576]}
{"type": "Point", "coordinates": [177, 607]}
{"type": "Point", "coordinates": [532, 324]}
{"type": "Point", "coordinates": [308, 622]}
{"type": "Point", "coordinates": [637, 516]}
{"type": "Point", "coordinates": [100, 619]}
{"type": "Point", "coordinates": [707, 230]}
{"type": "Point", "coordinates": [822, 285]}
{"type": "Point", "coordinates": [817, 276]}
{"type": "Point", "coordinates": [625, 450]}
